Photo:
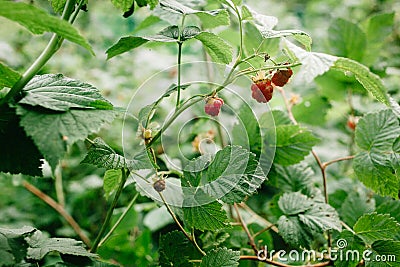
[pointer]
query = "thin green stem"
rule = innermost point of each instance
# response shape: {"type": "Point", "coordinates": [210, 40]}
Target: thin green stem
{"type": "Point", "coordinates": [347, 227]}
{"type": "Point", "coordinates": [240, 31]}
{"type": "Point", "coordinates": [90, 141]}
{"type": "Point", "coordinates": [110, 211]}
{"type": "Point", "coordinates": [195, 243]}
{"type": "Point", "coordinates": [220, 133]}
{"type": "Point", "coordinates": [180, 43]}
{"type": "Point", "coordinates": [52, 47]}
{"type": "Point", "coordinates": [178, 97]}
{"type": "Point", "coordinates": [263, 230]}
{"type": "Point", "coordinates": [326, 164]}
{"type": "Point", "coordinates": [75, 14]}
{"type": "Point", "coordinates": [250, 71]}
{"type": "Point", "coordinates": [130, 205]}
{"type": "Point", "coordinates": [173, 117]}
{"type": "Point", "coordinates": [171, 212]}
{"type": "Point", "coordinates": [152, 158]}
{"type": "Point", "coordinates": [246, 229]}
{"type": "Point", "coordinates": [59, 185]}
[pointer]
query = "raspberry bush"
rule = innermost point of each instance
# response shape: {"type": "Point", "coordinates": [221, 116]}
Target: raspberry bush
{"type": "Point", "coordinates": [203, 174]}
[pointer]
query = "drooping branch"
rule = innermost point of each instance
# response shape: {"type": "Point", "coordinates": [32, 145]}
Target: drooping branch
{"type": "Point", "coordinates": [59, 208]}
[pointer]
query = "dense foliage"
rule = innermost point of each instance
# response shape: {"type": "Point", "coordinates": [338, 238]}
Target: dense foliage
{"type": "Point", "coordinates": [209, 134]}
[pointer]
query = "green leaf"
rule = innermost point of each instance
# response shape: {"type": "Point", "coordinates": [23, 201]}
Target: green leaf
{"type": "Point", "coordinates": [375, 166]}
{"type": "Point", "coordinates": [321, 217]}
{"type": "Point", "coordinates": [274, 118]}
{"type": "Point", "coordinates": [312, 110]}
{"type": "Point", "coordinates": [8, 77]}
{"type": "Point", "coordinates": [123, 5]}
{"type": "Point", "coordinates": [292, 178]}
{"type": "Point", "coordinates": [377, 172]}
{"type": "Point", "coordinates": [40, 246]}
{"type": "Point", "coordinates": [372, 227]}
{"type": "Point", "coordinates": [18, 152]}
{"type": "Point", "coordinates": [38, 21]}
{"type": "Point", "coordinates": [349, 244]}
{"type": "Point", "coordinates": [377, 131]}
{"type": "Point", "coordinates": [141, 3]}
{"type": "Point", "coordinates": [265, 25]}
{"type": "Point", "coordinates": [125, 44]}
{"type": "Point", "coordinates": [384, 253]}
{"type": "Point", "coordinates": [347, 39]}
{"type": "Point", "coordinates": [255, 41]}
{"type": "Point", "coordinates": [58, 5]}
{"type": "Point", "coordinates": [249, 125]}
{"type": "Point", "coordinates": [377, 29]}
{"type": "Point", "coordinates": [208, 18]}
{"type": "Point", "coordinates": [300, 36]}
{"type": "Point", "coordinates": [221, 257]}
{"type": "Point", "coordinates": [13, 246]}
{"type": "Point", "coordinates": [304, 218]}
{"type": "Point", "coordinates": [292, 143]}
{"type": "Point", "coordinates": [176, 250]}
{"type": "Point", "coordinates": [394, 106]}
{"type": "Point", "coordinates": [151, 3]}
{"type": "Point", "coordinates": [294, 203]}
{"type": "Point", "coordinates": [203, 213]}
{"type": "Point", "coordinates": [233, 174]}
{"type": "Point", "coordinates": [103, 156]}
{"type": "Point", "coordinates": [246, 13]}
{"type": "Point", "coordinates": [29, 243]}
{"type": "Point", "coordinates": [262, 22]}
{"type": "Point", "coordinates": [292, 231]}
{"type": "Point", "coordinates": [237, 2]}
{"type": "Point", "coordinates": [356, 204]}
{"type": "Point", "coordinates": [112, 179]}
{"type": "Point", "coordinates": [167, 35]}
{"type": "Point", "coordinates": [189, 32]}
{"type": "Point", "coordinates": [176, 7]}
{"type": "Point", "coordinates": [391, 207]}
{"type": "Point", "coordinates": [219, 50]}
{"type": "Point", "coordinates": [313, 64]}
{"type": "Point", "coordinates": [213, 18]}
{"type": "Point", "coordinates": [147, 22]}
{"type": "Point", "coordinates": [56, 92]}
{"type": "Point", "coordinates": [370, 81]}
{"type": "Point", "coordinates": [66, 128]}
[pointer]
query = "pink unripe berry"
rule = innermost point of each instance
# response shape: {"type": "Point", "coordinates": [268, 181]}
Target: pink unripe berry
{"type": "Point", "coordinates": [213, 106]}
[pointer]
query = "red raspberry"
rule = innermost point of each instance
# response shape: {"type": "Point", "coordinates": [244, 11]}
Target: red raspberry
{"type": "Point", "coordinates": [352, 122]}
{"type": "Point", "coordinates": [213, 106]}
{"type": "Point", "coordinates": [281, 77]}
{"type": "Point", "coordinates": [262, 91]}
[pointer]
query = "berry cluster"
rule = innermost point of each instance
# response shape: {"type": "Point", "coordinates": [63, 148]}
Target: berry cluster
{"type": "Point", "coordinates": [213, 105]}
{"type": "Point", "coordinates": [281, 77]}
{"type": "Point", "coordinates": [262, 89]}
{"type": "Point", "coordinates": [263, 86]}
